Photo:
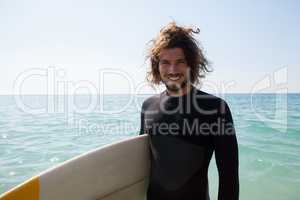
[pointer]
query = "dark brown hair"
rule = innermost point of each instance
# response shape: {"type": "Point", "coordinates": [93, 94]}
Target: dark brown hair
{"type": "Point", "coordinates": [172, 36]}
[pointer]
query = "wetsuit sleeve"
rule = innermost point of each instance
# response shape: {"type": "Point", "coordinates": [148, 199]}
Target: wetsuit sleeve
{"type": "Point", "coordinates": [142, 121]}
{"type": "Point", "coordinates": [226, 155]}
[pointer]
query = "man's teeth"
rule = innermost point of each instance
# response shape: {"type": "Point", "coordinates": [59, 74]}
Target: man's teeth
{"type": "Point", "coordinates": [174, 78]}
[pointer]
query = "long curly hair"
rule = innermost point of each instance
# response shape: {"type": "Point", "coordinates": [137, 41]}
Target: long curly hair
{"type": "Point", "coordinates": [174, 36]}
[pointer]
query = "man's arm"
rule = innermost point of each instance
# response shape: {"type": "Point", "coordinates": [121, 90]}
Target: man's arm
{"type": "Point", "coordinates": [226, 155]}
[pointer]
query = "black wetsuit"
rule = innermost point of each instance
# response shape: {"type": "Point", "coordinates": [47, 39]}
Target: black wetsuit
{"type": "Point", "coordinates": [184, 132]}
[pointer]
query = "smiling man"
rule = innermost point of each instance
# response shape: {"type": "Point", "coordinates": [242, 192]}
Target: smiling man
{"type": "Point", "coordinates": [173, 70]}
{"type": "Point", "coordinates": [186, 125]}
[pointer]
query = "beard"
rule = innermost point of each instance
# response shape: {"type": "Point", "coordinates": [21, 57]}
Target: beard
{"type": "Point", "coordinates": [175, 87]}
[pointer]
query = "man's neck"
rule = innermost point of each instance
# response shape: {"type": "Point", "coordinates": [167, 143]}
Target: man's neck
{"type": "Point", "coordinates": [181, 92]}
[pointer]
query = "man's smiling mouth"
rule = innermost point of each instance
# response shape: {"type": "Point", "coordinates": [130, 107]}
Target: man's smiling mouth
{"type": "Point", "coordinates": [174, 77]}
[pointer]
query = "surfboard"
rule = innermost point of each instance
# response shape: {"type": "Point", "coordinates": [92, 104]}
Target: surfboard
{"type": "Point", "coordinates": [118, 171]}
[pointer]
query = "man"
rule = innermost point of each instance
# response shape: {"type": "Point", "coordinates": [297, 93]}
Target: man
{"type": "Point", "coordinates": [185, 124]}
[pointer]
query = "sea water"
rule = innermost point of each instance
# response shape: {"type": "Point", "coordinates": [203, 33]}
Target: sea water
{"type": "Point", "coordinates": [39, 131]}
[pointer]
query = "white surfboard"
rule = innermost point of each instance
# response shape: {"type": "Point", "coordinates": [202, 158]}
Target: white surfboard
{"type": "Point", "coordinates": [117, 171]}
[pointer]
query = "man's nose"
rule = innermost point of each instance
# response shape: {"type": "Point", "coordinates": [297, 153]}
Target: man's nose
{"type": "Point", "coordinates": [173, 68]}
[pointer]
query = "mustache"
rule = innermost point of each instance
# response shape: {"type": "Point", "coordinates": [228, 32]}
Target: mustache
{"type": "Point", "coordinates": [173, 75]}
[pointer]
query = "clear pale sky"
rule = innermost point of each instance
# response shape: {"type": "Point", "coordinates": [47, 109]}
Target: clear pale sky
{"type": "Point", "coordinates": [245, 41]}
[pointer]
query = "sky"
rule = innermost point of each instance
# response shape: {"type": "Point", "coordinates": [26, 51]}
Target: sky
{"type": "Point", "coordinates": [74, 47]}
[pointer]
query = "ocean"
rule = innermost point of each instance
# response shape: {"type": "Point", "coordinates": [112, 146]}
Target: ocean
{"type": "Point", "coordinates": [39, 131]}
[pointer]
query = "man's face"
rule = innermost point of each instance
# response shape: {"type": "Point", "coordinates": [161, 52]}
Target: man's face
{"type": "Point", "coordinates": [173, 68]}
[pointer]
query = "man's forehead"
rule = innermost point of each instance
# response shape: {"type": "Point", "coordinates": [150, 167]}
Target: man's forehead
{"type": "Point", "coordinates": [171, 53]}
